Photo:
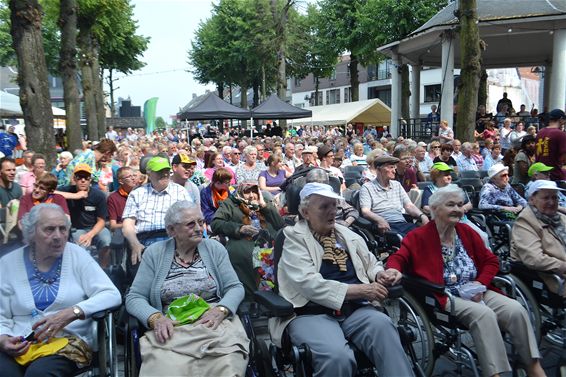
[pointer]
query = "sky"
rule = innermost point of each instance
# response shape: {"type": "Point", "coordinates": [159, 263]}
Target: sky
{"type": "Point", "coordinates": [171, 24]}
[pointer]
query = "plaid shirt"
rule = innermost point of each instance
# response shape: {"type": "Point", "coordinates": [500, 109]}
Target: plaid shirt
{"type": "Point", "coordinates": [148, 207]}
{"type": "Point", "coordinates": [492, 197]}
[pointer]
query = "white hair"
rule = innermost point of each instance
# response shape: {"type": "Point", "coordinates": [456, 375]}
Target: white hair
{"type": "Point", "coordinates": [442, 195]}
{"type": "Point", "coordinates": [30, 219]}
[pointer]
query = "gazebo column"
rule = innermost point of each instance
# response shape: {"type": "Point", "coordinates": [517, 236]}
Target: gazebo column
{"type": "Point", "coordinates": [546, 87]}
{"type": "Point", "coordinates": [395, 95]}
{"type": "Point", "coordinates": [447, 99]}
{"type": "Point", "coordinates": [557, 98]}
{"type": "Point", "coordinates": [415, 91]}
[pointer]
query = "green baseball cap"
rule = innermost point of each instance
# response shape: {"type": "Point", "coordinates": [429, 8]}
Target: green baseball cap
{"type": "Point", "coordinates": [441, 166]}
{"type": "Point", "coordinates": [538, 167]}
{"type": "Point", "coordinates": [158, 163]}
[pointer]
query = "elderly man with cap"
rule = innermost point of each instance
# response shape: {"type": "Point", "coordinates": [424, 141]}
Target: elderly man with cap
{"type": "Point", "coordinates": [498, 195]}
{"type": "Point", "coordinates": [334, 284]}
{"type": "Point", "coordinates": [183, 169]}
{"type": "Point", "coordinates": [538, 239]}
{"type": "Point", "coordinates": [144, 215]}
{"type": "Point", "coordinates": [309, 158]}
{"type": "Point", "coordinates": [326, 156]}
{"type": "Point", "coordinates": [551, 145]}
{"type": "Point", "coordinates": [89, 211]}
{"type": "Point", "coordinates": [383, 199]}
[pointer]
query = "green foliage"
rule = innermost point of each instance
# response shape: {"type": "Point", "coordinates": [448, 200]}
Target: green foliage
{"type": "Point", "coordinates": [50, 31]}
{"type": "Point", "coordinates": [160, 123]}
{"type": "Point", "coordinates": [235, 45]}
{"type": "Point", "coordinates": [307, 53]}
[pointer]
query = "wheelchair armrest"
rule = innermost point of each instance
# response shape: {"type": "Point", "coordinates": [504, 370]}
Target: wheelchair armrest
{"type": "Point", "coordinates": [422, 284]}
{"type": "Point", "coordinates": [277, 305]}
{"type": "Point", "coordinates": [100, 315]}
{"type": "Point", "coordinates": [363, 223]}
{"type": "Point", "coordinates": [395, 291]}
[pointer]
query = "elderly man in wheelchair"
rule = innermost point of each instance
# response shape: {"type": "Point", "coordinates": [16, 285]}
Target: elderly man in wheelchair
{"type": "Point", "coordinates": [334, 284]}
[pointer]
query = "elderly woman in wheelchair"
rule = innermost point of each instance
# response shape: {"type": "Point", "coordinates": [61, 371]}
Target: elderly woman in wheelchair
{"type": "Point", "coordinates": [333, 282]}
{"type": "Point", "coordinates": [185, 264]}
{"type": "Point", "coordinates": [50, 290]}
{"type": "Point", "coordinates": [447, 252]}
{"type": "Point", "coordinates": [538, 239]}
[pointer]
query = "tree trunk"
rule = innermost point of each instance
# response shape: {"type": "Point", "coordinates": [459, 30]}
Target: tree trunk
{"type": "Point", "coordinates": [85, 63]}
{"type": "Point", "coordinates": [243, 96]}
{"type": "Point", "coordinates": [25, 17]}
{"type": "Point", "coordinates": [220, 89]}
{"type": "Point", "coordinates": [68, 69]}
{"type": "Point", "coordinates": [482, 92]}
{"type": "Point", "coordinates": [98, 91]}
{"type": "Point", "coordinates": [470, 61]}
{"type": "Point", "coordinates": [405, 92]}
{"type": "Point", "coordinates": [110, 81]}
{"type": "Point", "coordinates": [354, 79]}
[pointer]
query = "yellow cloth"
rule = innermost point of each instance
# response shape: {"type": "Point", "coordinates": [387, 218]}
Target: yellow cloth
{"type": "Point", "coordinates": [37, 350]}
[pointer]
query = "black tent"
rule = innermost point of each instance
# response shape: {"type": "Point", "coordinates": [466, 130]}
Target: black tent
{"type": "Point", "coordinates": [213, 107]}
{"type": "Point", "coordinates": [275, 108]}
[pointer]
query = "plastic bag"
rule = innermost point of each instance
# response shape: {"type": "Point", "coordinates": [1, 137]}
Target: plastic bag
{"type": "Point", "coordinates": [187, 309]}
{"type": "Point", "coordinates": [262, 259]}
{"type": "Point", "coordinates": [469, 290]}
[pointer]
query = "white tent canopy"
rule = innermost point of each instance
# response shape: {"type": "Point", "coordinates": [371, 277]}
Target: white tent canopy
{"type": "Point", "coordinates": [10, 106]}
{"type": "Point", "coordinates": [372, 111]}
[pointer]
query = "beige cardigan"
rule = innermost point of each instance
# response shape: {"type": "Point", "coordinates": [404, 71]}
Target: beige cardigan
{"type": "Point", "coordinates": [298, 274]}
{"type": "Point", "coordinates": [537, 247]}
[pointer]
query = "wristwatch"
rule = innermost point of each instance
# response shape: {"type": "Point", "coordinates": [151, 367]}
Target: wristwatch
{"type": "Point", "coordinates": [77, 312]}
{"type": "Point", "coordinates": [224, 310]}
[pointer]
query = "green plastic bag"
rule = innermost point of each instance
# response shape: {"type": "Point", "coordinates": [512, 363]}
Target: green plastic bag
{"type": "Point", "coordinates": [187, 309]}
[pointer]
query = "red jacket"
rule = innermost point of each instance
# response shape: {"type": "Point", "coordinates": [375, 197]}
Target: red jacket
{"type": "Point", "coordinates": [420, 255]}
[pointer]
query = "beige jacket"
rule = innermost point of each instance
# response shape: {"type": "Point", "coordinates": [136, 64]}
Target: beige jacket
{"type": "Point", "coordinates": [538, 247]}
{"type": "Point", "coordinates": [298, 274]}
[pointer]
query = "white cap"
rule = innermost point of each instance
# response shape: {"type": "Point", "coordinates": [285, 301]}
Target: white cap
{"type": "Point", "coordinates": [541, 184]}
{"type": "Point", "coordinates": [496, 169]}
{"type": "Point", "coordinates": [321, 189]}
{"type": "Point", "coordinates": [310, 149]}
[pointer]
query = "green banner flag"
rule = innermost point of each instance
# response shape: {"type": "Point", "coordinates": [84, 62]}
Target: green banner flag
{"type": "Point", "coordinates": [149, 112]}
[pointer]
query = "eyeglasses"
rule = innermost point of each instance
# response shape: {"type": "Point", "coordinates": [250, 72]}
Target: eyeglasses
{"type": "Point", "coordinates": [236, 153]}
{"type": "Point", "coordinates": [504, 175]}
{"type": "Point", "coordinates": [82, 177]}
{"type": "Point", "coordinates": [435, 147]}
{"type": "Point", "coordinates": [128, 177]}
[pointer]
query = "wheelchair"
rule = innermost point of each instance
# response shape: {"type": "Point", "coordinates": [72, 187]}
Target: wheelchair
{"type": "Point", "coordinates": [448, 337]}
{"type": "Point", "coordinates": [410, 324]}
{"type": "Point", "coordinates": [105, 357]}
{"type": "Point", "coordinates": [546, 306]}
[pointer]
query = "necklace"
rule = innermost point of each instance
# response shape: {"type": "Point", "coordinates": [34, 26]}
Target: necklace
{"type": "Point", "coordinates": [193, 260]}
{"type": "Point", "coordinates": [41, 275]}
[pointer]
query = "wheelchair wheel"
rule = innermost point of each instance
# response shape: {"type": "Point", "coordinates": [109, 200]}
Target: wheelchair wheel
{"type": "Point", "coordinates": [528, 301]}
{"type": "Point", "coordinates": [410, 319]}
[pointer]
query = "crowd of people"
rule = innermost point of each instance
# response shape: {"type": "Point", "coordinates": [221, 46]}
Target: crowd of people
{"type": "Point", "coordinates": [190, 208]}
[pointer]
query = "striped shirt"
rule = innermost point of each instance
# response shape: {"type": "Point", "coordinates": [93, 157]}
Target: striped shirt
{"type": "Point", "coordinates": [148, 207]}
{"type": "Point", "coordinates": [387, 202]}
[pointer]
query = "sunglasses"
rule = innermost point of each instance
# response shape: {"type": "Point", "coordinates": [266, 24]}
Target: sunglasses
{"type": "Point", "coordinates": [82, 177]}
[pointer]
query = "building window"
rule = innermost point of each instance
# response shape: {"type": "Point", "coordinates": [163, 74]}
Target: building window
{"type": "Point", "coordinates": [332, 96]}
{"type": "Point", "coordinates": [297, 82]}
{"type": "Point", "coordinates": [384, 70]}
{"type": "Point", "coordinates": [312, 102]}
{"type": "Point", "coordinates": [347, 94]}
{"type": "Point", "coordinates": [384, 94]}
{"type": "Point", "coordinates": [333, 74]}
{"type": "Point", "coordinates": [432, 93]}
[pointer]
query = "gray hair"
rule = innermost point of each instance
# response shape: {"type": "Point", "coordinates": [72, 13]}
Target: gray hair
{"type": "Point", "coordinates": [249, 149]}
{"type": "Point", "coordinates": [31, 219]}
{"type": "Point", "coordinates": [467, 146]}
{"type": "Point", "coordinates": [175, 213]}
{"type": "Point", "coordinates": [66, 154]}
{"type": "Point", "coordinates": [317, 175]}
{"type": "Point", "coordinates": [442, 195]}
{"type": "Point", "coordinates": [304, 204]}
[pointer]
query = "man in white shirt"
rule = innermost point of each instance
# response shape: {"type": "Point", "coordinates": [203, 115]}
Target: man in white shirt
{"type": "Point", "coordinates": [466, 162]}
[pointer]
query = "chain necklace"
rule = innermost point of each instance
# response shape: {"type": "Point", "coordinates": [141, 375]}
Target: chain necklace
{"type": "Point", "coordinates": [188, 263]}
{"type": "Point", "coordinates": [41, 275]}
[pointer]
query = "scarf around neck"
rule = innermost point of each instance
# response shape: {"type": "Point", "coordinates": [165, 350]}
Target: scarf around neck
{"type": "Point", "coordinates": [332, 253]}
{"type": "Point", "coordinates": [554, 223]}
